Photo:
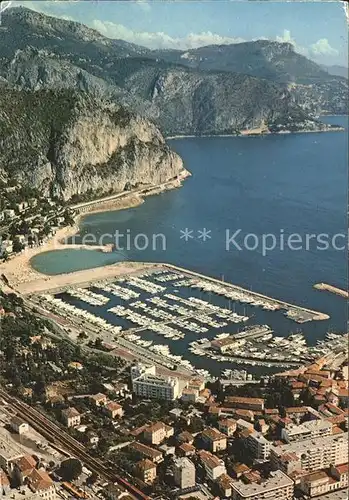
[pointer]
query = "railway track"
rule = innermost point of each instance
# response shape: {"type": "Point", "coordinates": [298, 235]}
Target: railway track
{"type": "Point", "coordinates": [54, 434]}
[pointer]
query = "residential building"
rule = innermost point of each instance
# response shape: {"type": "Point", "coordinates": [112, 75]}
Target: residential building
{"type": "Point", "coordinates": [19, 425]}
{"type": "Point", "coordinates": [189, 395]}
{"type": "Point", "coordinates": [314, 454]}
{"type": "Point", "coordinates": [214, 440]}
{"type": "Point", "coordinates": [114, 410]}
{"type": "Point", "coordinates": [146, 452]}
{"type": "Point", "coordinates": [227, 426]}
{"type": "Point", "coordinates": [325, 481]}
{"type": "Point", "coordinates": [307, 430]}
{"type": "Point", "coordinates": [243, 425]}
{"type": "Point", "coordinates": [167, 449]}
{"type": "Point", "coordinates": [185, 437]}
{"type": "Point", "coordinates": [41, 484]}
{"type": "Point", "coordinates": [245, 403]}
{"type": "Point", "coordinates": [146, 470]}
{"type": "Point", "coordinates": [154, 386]}
{"type": "Point", "coordinates": [277, 487]}
{"type": "Point", "coordinates": [197, 383]}
{"type": "Point", "coordinates": [186, 450]}
{"type": "Point", "coordinates": [213, 465]}
{"type": "Point", "coordinates": [289, 462]}
{"type": "Point", "coordinates": [262, 426]}
{"type": "Point", "coordinates": [225, 483]}
{"type": "Point", "coordinates": [99, 399]}
{"type": "Point", "coordinates": [258, 446]}
{"type": "Point", "coordinates": [71, 417]}
{"type": "Point", "coordinates": [184, 473]}
{"type": "Point", "coordinates": [156, 433]}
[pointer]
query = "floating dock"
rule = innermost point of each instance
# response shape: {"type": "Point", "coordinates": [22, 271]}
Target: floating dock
{"type": "Point", "coordinates": [332, 289]}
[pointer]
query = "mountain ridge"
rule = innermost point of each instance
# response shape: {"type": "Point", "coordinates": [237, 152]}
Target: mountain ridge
{"type": "Point", "coordinates": [132, 76]}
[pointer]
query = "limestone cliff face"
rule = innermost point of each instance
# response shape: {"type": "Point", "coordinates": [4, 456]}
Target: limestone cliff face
{"type": "Point", "coordinates": [65, 143]}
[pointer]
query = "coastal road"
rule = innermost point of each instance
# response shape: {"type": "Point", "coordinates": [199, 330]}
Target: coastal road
{"type": "Point", "coordinates": [144, 191]}
{"type": "Point", "coordinates": [54, 434]}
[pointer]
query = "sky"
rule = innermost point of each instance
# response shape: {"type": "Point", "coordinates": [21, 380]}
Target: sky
{"type": "Point", "coordinates": [317, 29]}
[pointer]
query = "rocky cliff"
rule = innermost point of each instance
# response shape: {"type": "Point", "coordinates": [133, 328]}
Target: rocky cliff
{"type": "Point", "coordinates": [67, 143]}
{"type": "Point", "coordinates": [191, 102]}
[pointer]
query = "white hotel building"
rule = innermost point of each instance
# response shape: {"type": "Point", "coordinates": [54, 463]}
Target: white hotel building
{"type": "Point", "coordinates": [146, 384]}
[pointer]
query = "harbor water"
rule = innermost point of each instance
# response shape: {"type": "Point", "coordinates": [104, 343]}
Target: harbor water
{"type": "Point", "coordinates": [277, 184]}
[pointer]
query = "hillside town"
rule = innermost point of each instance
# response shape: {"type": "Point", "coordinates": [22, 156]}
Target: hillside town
{"type": "Point", "coordinates": [78, 423]}
{"type": "Point", "coordinates": [28, 219]}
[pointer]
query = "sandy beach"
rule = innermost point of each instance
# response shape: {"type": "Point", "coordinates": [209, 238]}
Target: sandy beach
{"type": "Point", "coordinates": [18, 269]}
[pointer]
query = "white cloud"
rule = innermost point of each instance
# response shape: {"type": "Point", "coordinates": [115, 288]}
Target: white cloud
{"type": "Point", "coordinates": [320, 51]}
{"type": "Point", "coordinates": [159, 39]}
{"type": "Point", "coordinates": [322, 48]}
{"type": "Point", "coordinates": [286, 37]}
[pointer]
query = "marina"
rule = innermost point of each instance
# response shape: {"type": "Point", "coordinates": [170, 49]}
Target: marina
{"type": "Point", "coordinates": [183, 319]}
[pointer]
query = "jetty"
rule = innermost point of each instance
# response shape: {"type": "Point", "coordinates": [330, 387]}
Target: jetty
{"type": "Point", "coordinates": [332, 289]}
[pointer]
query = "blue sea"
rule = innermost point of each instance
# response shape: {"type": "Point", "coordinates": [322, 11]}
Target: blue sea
{"type": "Point", "coordinates": [280, 185]}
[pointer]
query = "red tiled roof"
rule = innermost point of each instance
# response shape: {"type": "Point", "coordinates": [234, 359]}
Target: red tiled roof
{"type": "Point", "coordinates": [39, 480]}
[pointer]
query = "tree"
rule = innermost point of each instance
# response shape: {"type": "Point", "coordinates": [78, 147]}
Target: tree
{"type": "Point", "coordinates": [70, 469]}
{"type": "Point", "coordinates": [5, 256]}
{"type": "Point", "coordinates": [17, 245]}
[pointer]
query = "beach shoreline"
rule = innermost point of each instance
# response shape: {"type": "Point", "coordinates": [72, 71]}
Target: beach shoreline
{"type": "Point", "coordinates": [18, 269]}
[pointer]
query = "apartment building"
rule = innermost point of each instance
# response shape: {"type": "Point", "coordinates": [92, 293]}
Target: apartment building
{"type": "Point", "coordinates": [154, 386]}
{"type": "Point", "coordinates": [307, 430]}
{"type": "Point", "coordinates": [213, 465]}
{"type": "Point", "coordinates": [146, 470]}
{"type": "Point", "coordinates": [245, 403]}
{"type": "Point", "coordinates": [277, 487]}
{"type": "Point", "coordinates": [313, 454]}
{"type": "Point", "coordinates": [157, 432]}
{"type": "Point", "coordinates": [214, 440]}
{"type": "Point", "coordinates": [227, 426]}
{"type": "Point", "coordinates": [258, 446]}
{"type": "Point", "coordinates": [145, 451]}
{"type": "Point", "coordinates": [184, 473]}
